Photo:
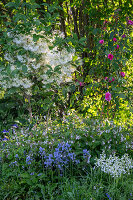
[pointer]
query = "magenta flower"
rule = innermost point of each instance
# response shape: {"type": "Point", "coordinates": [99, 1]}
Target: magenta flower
{"type": "Point", "coordinates": [101, 41]}
{"type": "Point", "coordinates": [114, 39]}
{"type": "Point", "coordinates": [107, 96]}
{"type": "Point", "coordinates": [110, 56]}
{"type": "Point", "coordinates": [81, 84]}
{"type": "Point", "coordinates": [105, 21]}
{"type": "Point", "coordinates": [123, 36]}
{"type": "Point", "coordinates": [117, 47]}
{"type": "Point", "coordinates": [113, 79]}
{"type": "Point", "coordinates": [129, 22]}
{"type": "Point", "coordinates": [122, 74]}
{"type": "Point", "coordinates": [106, 78]}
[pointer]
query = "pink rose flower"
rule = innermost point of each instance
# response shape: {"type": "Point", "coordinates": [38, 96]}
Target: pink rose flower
{"type": "Point", "coordinates": [114, 39]}
{"type": "Point", "coordinates": [106, 78]}
{"type": "Point", "coordinates": [113, 79]}
{"type": "Point", "coordinates": [122, 74]}
{"type": "Point", "coordinates": [117, 47]}
{"type": "Point", "coordinates": [101, 41]}
{"type": "Point", "coordinates": [129, 22]}
{"type": "Point", "coordinates": [105, 21]}
{"type": "Point", "coordinates": [123, 36]}
{"type": "Point", "coordinates": [81, 84]}
{"type": "Point", "coordinates": [110, 56]}
{"type": "Point", "coordinates": [107, 96]}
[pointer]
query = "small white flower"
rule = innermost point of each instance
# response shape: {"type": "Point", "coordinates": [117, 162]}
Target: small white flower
{"type": "Point", "coordinates": [113, 165]}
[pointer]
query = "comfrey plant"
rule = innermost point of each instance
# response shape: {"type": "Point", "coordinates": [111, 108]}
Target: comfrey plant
{"type": "Point", "coordinates": [114, 165]}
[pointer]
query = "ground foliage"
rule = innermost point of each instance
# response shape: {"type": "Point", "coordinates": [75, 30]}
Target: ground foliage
{"type": "Point", "coordinates": [57, 160]}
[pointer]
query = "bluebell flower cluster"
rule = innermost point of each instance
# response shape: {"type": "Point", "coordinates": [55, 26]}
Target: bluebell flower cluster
{"type": "Point", "coordinates": [16, 156]}
{"type": "Point", "coordinates": [13, 164]}
{"type": "Point", "coordinates": [4, 131]}
{"type": "Point", "coordinates": [108, 196]}
{"type": "Point", "coordinates": [40, 174]}
{"type": "Point", "coordinates": [41, 151]}
{"type": "Point", "coordinates": [5, 139]}
{"type": "Point", "coordinates": [28, 160]}
{"type": "Point", "coordinates": [86, 155]}
{"type": "Point", "coordinates": [61, 157]}
{"type": "Point", "coordinates": [14, 126]}
{"type": "Point", "coordinates": [49, 160]}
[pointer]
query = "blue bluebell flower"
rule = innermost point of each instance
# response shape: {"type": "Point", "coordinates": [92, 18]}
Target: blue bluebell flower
{"type": "Point", "coordinates": [16, 156]}
{"type": "Point", "coordinates": [40, 174]}
{"type": "Point", "coordinates": [5, 139]}
{"type": "Point", "coordinates": [72, 156]}
{"type": "Point", "coordinates": [4, 131]}
{"type": "Point", "coordinates": [108, 196]}
{"type": "Point", "coordinates": [41, 151]}
{"type": "Point", "coordinates": [14, 126]}
{"type": "Point", "coordinates": [13, 164]}
{"type": "Point", "coordinates": [28, 160]}
{"type": "Point", "coordinates": [86, 155]}
{"type": "Point", "coordinates": [49, 161]}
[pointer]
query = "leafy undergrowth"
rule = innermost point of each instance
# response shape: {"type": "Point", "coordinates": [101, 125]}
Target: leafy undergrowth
{"type": "Point", "coordinates": [76, 158]}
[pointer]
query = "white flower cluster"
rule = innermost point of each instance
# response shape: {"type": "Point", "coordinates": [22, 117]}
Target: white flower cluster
{"type": "Point", "coordinates": [49, 58]}
{"type": "Point", "coordinates": [15, 82]}
{"type": "Point", "coordinates": [114, 165]}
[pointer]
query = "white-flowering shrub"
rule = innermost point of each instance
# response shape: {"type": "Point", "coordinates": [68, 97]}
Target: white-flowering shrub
{"type": "Point", "coordinates": [46, 64]}
{"type": "Point", "coordinates": [114, 165]}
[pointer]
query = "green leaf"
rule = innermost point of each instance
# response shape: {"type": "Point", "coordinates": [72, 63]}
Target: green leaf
{"type": "Point", "coordinates": [57, 68]}
{"type": "Point", "coordinates": [10, 4]}
{"type": "Point", "coordinates": [35, 37]}
{"type": "Point", "coordinates": [64, 92]}
{"type": "Point", "coordinates": [49, 72]}
{"type": "Point", "coordinates": [24, 175]}
{"type": "Point", "coordinates": [111, 35]}
{"type": "Point", "coordinates": [45, 4]}
{"type": "Point", "coordinates": [24, 68]}
{"type": "Point", "coordinates": [122, 95]}
{"type": "Point", "coordinates": [70, 194]}
{"type": "Point", "coordinates": [95, 31]}
{"type": "Point", "coordinates": [49, 67]}
{"type": "Point", "coordinates": [72, 88]}
{"type": "Point", "coordinates": [11, 90]}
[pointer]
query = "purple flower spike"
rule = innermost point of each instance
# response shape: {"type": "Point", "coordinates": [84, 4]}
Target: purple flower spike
{"type": "Point", "coordinates": [14, 126]}
{"type": "Point", "coordinates": [4, 131]}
